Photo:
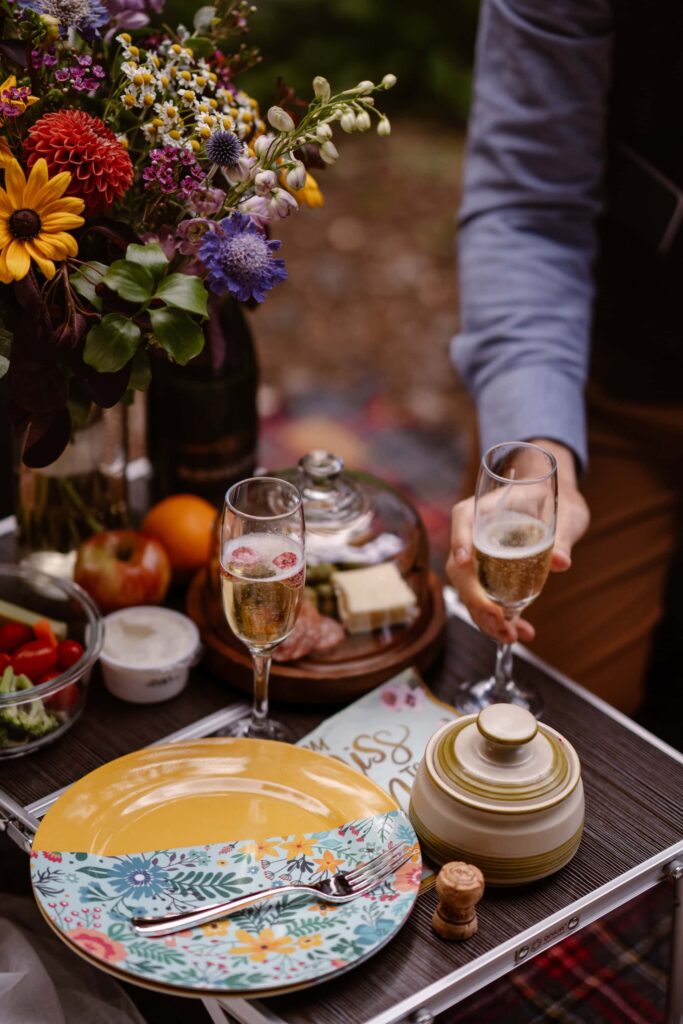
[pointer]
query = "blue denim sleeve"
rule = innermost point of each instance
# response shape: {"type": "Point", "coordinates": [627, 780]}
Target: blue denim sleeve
{"type": "Point", "coordinates": [527, 237]}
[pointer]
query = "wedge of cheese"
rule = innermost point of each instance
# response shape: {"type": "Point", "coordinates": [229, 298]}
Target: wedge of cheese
{"type": "Point", "coordinates": [374, 597]}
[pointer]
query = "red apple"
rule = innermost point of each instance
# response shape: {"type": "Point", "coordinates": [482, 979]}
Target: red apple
{"type": "Point", "coordinates": [119, 568]}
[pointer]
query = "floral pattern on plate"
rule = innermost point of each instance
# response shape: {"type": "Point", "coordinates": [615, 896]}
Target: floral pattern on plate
{"type": "Point", "coordinates": [293, 941]}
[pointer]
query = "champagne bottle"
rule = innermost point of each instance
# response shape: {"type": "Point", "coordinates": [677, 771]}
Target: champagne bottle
{"type": "Point", "coordinates": [202, 425]}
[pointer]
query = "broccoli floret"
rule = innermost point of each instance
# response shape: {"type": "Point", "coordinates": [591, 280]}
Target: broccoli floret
{"type": "Point", "coordinates": [23, 721]}
{"type": "Point", "coordinates": [30, 720]}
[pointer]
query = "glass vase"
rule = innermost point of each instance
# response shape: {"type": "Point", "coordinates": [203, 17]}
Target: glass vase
{"type": "Point", "coordinates": [82, 492]}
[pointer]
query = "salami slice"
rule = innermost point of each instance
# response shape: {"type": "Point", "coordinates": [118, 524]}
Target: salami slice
{"type": "Point", "coordinates": [303, 638]}
{"type": "Point", "coordinates": [330, 635]}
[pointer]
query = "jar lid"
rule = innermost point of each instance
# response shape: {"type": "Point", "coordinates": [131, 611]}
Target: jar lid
{"type": "Point", "coordinates": [502, 760]}
{"type": "Point", "coordinates": [354, 519]}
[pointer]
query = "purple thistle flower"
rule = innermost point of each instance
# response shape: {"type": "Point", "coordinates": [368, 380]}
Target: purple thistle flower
{"type": "Point", "coordinates": [224, 149]}
{"type": "Point", "coordinates": [239, 259]}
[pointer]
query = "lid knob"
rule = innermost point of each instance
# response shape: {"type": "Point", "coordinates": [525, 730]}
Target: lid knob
{"type": "Point", "coordinates": [507, 725]}
{"type": "Point", "coordinates": [321, 466]}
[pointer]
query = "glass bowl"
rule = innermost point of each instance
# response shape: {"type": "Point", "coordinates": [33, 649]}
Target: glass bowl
{"type": "Point", "coordinates": [31, 718]}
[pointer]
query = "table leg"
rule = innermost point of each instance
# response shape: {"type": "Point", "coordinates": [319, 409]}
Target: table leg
{"type": "Point", "coordinates": [675, 995]}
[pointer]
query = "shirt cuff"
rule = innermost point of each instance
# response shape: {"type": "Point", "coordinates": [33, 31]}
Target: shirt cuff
{"type": "Point", "coordinates": [533, 401]}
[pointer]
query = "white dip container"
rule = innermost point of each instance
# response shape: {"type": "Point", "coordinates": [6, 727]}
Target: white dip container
{"type": "Point", "coordinates": [147, 653]}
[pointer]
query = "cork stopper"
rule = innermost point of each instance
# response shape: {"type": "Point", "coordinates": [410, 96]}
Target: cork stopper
{"type": "Point", "coordinates": [459, 887]}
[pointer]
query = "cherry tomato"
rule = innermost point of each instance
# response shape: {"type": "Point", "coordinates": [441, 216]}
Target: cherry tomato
{"type": "Point", "coordinates": [13, 635]}
{"type": "Point", "coordinates": [4, 661]}
{"type": "Point", "coordinates": [34, 659]}
{"type": "Point", "coordinates": [48, 676]}
{"type": "Point", "coordinates": [65, 699]}
{"type": "Point", "coordinates": [68, 653]}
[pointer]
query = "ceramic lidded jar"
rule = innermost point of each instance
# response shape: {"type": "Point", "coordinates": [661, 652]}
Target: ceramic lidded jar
{"type": "Point", "coordinates": [502, 791]}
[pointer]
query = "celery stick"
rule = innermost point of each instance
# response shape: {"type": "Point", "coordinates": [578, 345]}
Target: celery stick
{"type": "Point", "coordinates": [14, 613]}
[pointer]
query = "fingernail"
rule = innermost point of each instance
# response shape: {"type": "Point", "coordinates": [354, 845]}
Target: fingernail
{"type": "Point", "coordinates": [462, 556]}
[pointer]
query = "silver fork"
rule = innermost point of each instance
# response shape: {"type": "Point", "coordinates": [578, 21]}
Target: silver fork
{"type": "Point", "coordinates": [340, 888]}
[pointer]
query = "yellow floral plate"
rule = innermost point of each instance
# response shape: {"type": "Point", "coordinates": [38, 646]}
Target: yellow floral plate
{"type": "Point", "coordinates": [173, 827]}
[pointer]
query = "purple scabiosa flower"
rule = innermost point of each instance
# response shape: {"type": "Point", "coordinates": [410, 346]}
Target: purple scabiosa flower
{"type": "Point", "coordinates": [239, 259]}
{"type": "Point", "coordinates": [224, 149]}
{"type": "Point", "coordinates": [87, 16]}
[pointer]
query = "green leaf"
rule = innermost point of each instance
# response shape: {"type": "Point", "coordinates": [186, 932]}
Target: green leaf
{"type": "Point", "coordinates": [111, 343]}
{"type": "Point", "coordinates": [130, 281]}
{"type": "Point", "coordinates": [141, 372]}
{"type": "Point", "coordinates": [177, 333]}
{"type": "Point", "coordinates": [86, 279]}
{"type": "Point", "coordinates": [151, 256]}
{"type": "Point", "coordinates": [200, 46]}
{"type": "Point", "coordinates": [184, 292]}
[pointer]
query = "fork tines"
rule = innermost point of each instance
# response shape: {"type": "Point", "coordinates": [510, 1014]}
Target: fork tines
{"type": "Point", "coordinates": [367, 876]}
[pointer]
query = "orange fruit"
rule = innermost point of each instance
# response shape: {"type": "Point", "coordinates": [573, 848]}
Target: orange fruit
{"type": "Point", "coordinates": [183, 524]}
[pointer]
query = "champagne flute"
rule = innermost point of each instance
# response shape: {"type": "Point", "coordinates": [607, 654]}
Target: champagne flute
{"type": "Point", "coordinates": [262, 581]}
{"type": "Point", "coordinates": [515, 515]}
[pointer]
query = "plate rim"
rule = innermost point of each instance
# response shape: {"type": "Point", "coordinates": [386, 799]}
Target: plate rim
{"type": "Point", "coordinates": [201, 741]}
{"type": "Point", "coordinates": [217, 993]}
{"type": "Point", "coordinates": [220, 994]}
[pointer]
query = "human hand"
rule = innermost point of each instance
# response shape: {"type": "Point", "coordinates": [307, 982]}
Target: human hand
{"type": "Point", "coordinates": [572, 522]}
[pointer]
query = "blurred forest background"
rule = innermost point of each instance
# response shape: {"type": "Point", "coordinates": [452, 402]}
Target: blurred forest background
{"type": "Point", "coordinates": [353, 347]}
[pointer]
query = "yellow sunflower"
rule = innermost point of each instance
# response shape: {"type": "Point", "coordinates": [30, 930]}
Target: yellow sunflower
{"type": "Point", "coordinates": [35, 218]}
{"type": "Point", "coordinates": [6, 155]}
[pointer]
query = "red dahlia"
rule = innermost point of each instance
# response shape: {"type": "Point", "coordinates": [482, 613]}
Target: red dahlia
{"type": "Point", "coordinates": [71, 140]}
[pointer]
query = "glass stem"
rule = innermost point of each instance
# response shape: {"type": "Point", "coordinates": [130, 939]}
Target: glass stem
{"type": "Point", "coordinates": [502, 674]}
{"type": "Point", "coordinates": [261, 676]}
{"type": "Point", "coordinates": [503, 670]}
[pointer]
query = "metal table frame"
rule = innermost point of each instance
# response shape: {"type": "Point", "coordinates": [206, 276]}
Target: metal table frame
{"type": "Point", "coordinates": [20, 824]}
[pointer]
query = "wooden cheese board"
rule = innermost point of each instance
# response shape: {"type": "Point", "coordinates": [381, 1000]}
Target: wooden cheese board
{"type": "Point", "coordinates": [355, 667]}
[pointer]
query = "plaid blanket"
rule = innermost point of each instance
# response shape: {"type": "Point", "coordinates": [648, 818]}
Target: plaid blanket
{"type": "Point", "coordinates": [612, 972]}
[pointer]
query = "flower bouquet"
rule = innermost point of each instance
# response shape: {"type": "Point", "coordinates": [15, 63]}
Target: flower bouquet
{"type": "Point", "coordinates": [138, 179]}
